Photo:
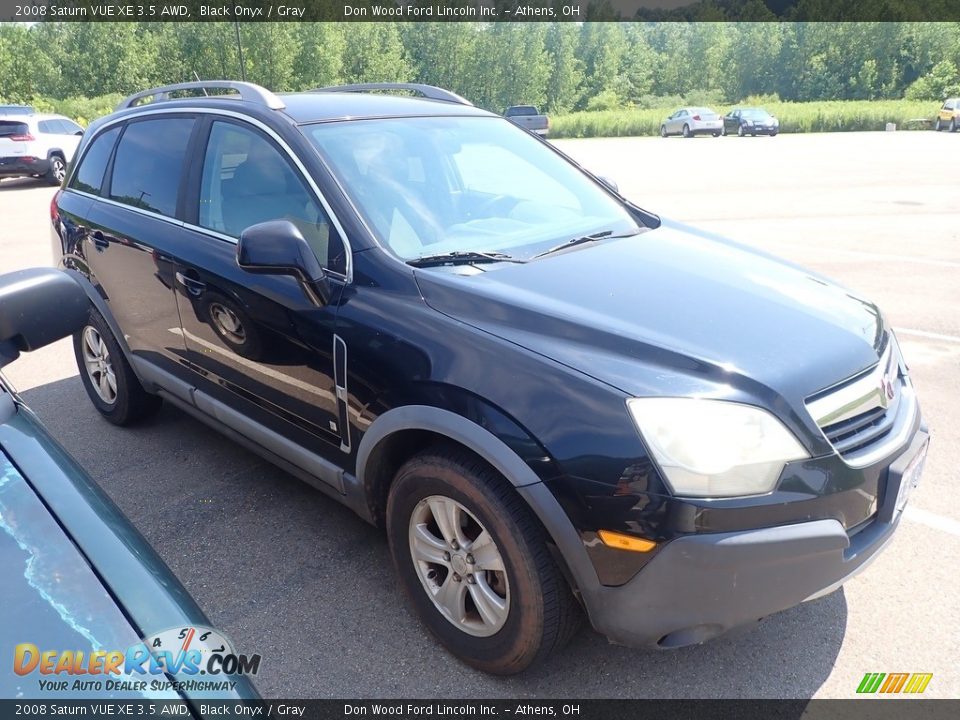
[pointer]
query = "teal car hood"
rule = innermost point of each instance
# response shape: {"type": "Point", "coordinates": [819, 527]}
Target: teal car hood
{"type": "Point", "coordinates": [52, 599]}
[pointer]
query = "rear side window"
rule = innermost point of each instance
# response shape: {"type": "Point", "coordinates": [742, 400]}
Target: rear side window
{"type": "Point", "coordinates": [89, 176]}
{"type": "Point", "coordinates": [49, 126]}
{"type": "Point", "coordinates": [13, 129]}
{"type": "Point", "coordinates": [149, 164]}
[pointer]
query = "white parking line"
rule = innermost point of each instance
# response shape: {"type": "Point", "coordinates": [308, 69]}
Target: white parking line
{"type": "Point", "coordinates": [879, 257]}
{"type": "Point", "coordinates": [927, 334]}
{"type": "Point", "coordinates": [932, 520]}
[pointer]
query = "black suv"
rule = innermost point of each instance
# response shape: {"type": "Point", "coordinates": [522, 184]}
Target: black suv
{"type": "Point", "coordinates": [549, 397]}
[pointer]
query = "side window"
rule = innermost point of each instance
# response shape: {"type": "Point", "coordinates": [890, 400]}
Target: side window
{"type": "Point", "coordinates": [89, 176]}
{"type": "Point", "coordinates": [69, 127]}
{"type": "Point", "coordinates": [46, 127]}
{"type": "Point", "coordinates": [247, 180]}
{"type": "Point", "coordinates": [149, 164]}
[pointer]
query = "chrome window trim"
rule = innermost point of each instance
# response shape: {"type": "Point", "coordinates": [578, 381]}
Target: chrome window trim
{"type": "Point", "coordinates": [347, 278]}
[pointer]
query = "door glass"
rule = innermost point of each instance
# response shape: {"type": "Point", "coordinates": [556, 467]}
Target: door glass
{"type": "Point", "coordinates": [246, 180]}
{"type": "Point", "coordinates": [89, 176]}
{"type": "Point", "coordinates": [149, 164]}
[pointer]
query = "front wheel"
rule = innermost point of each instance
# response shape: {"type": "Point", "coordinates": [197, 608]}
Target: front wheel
{"type": "Point", "coordinates": [716, 134]}
{"type": "Point", "coordinates": [953, 125]}
{"type": "Point", "coordinates": [740, 132]}
{"type": "Point", "coordinates": [474, 561]}
{"type": "Point", "coordinates": [663, 131]}
{"type": "Point", "coordinates": [936, 125]}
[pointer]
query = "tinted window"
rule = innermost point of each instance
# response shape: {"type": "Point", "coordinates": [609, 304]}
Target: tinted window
{"type": "Point", "coordinates": [70, 127]}
{"type": "Point", "coordinates": [149, 163]}
{"type": "Point", "coordinates": [247, 180]}
{"type": "Point", "coordinates": [89, 176]}
{"type": "Point", "coordinates": [8, 129]}
{"type": "Point", "coordinates": [47, 126]}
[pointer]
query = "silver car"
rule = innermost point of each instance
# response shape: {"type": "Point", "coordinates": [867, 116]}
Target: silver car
{"type": "Point", "coordinates": [692, 121]}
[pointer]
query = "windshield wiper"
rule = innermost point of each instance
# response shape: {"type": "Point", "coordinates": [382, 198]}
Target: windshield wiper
{"type": "Point", "coordinates": [462, 257]}
{"type": "Point", "coordinates": [582, 240]}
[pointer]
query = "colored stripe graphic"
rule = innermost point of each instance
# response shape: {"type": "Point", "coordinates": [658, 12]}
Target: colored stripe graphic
{"type": "Point", "coordinates": [870, 682]}
{"type": "Point", "coordinates": [913, 683]}
{"type": "Point", "coordinates": [918, 682]}
{"type": "Point", "coordinates": [894, 683]}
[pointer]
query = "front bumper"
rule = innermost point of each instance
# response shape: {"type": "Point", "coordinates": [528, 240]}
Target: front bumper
{"type": "Point", "coordinates": [700, 586]}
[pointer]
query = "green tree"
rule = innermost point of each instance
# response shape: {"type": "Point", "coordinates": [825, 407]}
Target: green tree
{"type": "Point", "coordinates": [566, 69]}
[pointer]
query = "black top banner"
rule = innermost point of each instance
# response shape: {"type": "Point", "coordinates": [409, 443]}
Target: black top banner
{"type": "Point", "coordinates": [473, 709]}
{"type": "Point", "coordinates": [480, 10]}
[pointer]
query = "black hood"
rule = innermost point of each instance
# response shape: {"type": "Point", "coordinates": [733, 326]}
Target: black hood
{"type": "Point", "coordinates": [670, 301]}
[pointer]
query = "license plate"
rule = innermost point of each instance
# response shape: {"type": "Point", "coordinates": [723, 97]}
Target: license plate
{"type": "Point", "coordinates": [911, 477]}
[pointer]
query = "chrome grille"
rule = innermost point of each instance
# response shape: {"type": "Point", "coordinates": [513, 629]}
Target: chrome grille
{"type": "Point", "coordinates": [866, 417]}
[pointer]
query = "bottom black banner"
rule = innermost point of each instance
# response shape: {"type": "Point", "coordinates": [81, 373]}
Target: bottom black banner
{"type": "Point", "coordinates": [859, 709]}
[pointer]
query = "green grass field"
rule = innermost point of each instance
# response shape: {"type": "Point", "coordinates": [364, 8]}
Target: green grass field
{"type": "Point", "coordinates": [829, 116]}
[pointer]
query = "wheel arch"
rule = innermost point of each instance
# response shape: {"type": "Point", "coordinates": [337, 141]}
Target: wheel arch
{"type": "Point", "coordinates": [96, 299]}
{"type": "Point", "coordinates": [404, 431]}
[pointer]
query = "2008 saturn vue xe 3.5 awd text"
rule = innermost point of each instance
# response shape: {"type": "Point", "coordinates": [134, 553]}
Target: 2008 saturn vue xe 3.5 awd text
{"type": "Point", "coordinates": [551, 399]}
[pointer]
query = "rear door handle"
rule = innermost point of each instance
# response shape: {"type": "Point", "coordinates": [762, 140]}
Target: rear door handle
{"type": "Point", "coordinates": [99, 240]}
{"type": "Point", "coordinates": [194, 287]}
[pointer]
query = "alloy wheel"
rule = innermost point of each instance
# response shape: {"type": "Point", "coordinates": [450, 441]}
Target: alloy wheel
{"type": "Point", "coordinates": [99, 367]}
{"type": "Point", "coordinates": [58, 168]}
{"type": "Point", "coordinates": [459, 566]}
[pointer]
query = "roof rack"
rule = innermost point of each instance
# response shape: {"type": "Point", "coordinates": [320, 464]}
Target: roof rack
{"type": "Point", "coordinates": [428, 91]}
{"type": "Point", "coordinates": [247, 91]}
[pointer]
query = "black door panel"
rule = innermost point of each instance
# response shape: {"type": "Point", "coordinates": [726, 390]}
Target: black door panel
{"type": "Point", "coordinates": [259, 337]}
{"type": "Point", "coordinates": [127, 255]}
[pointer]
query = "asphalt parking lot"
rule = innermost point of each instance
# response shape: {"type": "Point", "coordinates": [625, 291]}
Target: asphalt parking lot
{"type": "Point", "coordinates": [291, 575]}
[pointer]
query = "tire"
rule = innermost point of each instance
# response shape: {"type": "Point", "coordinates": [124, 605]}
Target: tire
{"type": "Point", "coordinates": [686, 131]}
{"type": "Point", "coordinates": [953, 125]}
{"type": "Point", "coordinates": [773, 134]}
{"type": "Point", "coordinates": [716, 134]}
{"type": "Point", "coordinates": [57, 171]}
{"type": "Point", "coordinates": [937, 125]}
{"type": "Point", "coordinates": [533, 612]}
{"type": "Point", "coordinates": [109, 380]}
{"type": "Point", "coordinates": [663, 131]}
{"type": "Point", "coordinates": [740, 132]}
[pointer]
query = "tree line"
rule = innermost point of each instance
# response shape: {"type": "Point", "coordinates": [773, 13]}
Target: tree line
{"type": "Point", "coordinates": [559, 66]}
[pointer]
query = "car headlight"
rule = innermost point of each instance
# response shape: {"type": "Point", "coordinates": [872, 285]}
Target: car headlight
{"type": "Point", "coordinates": [715, 448]}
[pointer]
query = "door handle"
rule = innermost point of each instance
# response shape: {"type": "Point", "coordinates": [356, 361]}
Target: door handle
{"type": "Point", "coordinates": [99, 240]}
{"type": "Point", "coordinates": [194, 287]}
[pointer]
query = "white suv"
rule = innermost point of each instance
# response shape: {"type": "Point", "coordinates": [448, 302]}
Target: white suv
{"type": "Point", "coordinates": [37, 146]}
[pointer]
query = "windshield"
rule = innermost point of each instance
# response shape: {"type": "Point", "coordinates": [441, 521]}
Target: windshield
{"type": "Point", "coordinates": [434, 185]}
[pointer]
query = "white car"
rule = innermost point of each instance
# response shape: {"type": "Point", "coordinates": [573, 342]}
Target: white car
{"type": "Point", "coordinates": [690, 121]}
{"type": "Point", "coordinates": [37, 145]}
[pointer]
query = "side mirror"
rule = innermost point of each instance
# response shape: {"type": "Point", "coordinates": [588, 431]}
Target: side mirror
{"type": "Point", "coordinates": [277, 247]}
{"type": "Point", "coordinates": [609, 183]}
{"type": "Point", "coordinates": [37, 307]}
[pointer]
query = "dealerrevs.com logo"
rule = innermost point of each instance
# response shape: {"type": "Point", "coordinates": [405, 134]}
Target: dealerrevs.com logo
{"type": "Point", "coordinates": [202, 655]}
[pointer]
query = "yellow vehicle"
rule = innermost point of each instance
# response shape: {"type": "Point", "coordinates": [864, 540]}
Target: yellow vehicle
{"type": "Point", "coordinates": [949, 115]}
